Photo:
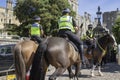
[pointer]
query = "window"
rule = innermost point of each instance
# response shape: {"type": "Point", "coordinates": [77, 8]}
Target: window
{"type": "Point", "coordinates": [1, 20]}
{"type": "Point", "coordinates": [9, 21]}
{"type": "Point", "coordinates": [8, 50]}
{"type": "Point", "coordinates": [2, 51]}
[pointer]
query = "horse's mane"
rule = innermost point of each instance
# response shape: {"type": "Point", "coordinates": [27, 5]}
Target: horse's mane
{"type": "Point", "coordinates": [103, 40]}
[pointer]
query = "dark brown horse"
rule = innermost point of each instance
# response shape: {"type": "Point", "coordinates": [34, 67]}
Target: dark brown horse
{"type": "Point", "coordinates": [100, 50]}
{"type": "Point", "coordinates": [23, 56]}
{"type": "Point", "coordinates": [59, 53]}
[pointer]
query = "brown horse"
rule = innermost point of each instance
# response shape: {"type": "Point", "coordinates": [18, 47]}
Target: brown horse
{"type": "Point", "coordinates": [100, 50]}
{"type": "Point", "coordinates": [59, 53]}
{"type": "Point", "coordinates": [23, 56]}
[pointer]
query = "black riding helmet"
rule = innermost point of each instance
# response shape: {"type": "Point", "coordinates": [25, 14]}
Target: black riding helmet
{"type": "Point", "coordinates": [90, 26]}
{"type": "Point", "coordinates": [36, 18]}
{"type": "Point", "coordinates": [66, 10]}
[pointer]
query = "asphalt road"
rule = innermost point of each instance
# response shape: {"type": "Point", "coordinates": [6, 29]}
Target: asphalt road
{"type": "Point", "coordinates": [111, 71]}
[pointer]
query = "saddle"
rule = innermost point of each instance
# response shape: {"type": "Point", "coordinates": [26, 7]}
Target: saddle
{"type": "Point", "coordinates": [66, 37]}
{"type": "Point", "coordinates": [36, 40]}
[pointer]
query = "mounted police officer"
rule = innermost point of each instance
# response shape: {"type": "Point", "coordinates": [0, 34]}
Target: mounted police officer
{"type": "Point", "coordinates": [36, 30]}
{"type": "Point", "coordinates": [68, 27]}
{"type": "Point", "coordinates": [89, 38]}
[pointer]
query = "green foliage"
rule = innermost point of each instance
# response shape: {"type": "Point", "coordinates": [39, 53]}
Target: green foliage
{"type": "Point", "coordinates": [11, 29]}
{"type": "Point", "coordinates": [49, 11]}
{"type": "Point", "coordinates": [116, 30]}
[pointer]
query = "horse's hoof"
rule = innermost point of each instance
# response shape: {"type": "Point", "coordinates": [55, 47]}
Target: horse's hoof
{"type": "Point", "coordinates": [71, 75]}
{"type": "Point", "coordinates": [92, 75]}
{"type": "Point", "coordinates": [100, 74]}
{"type": "Point", "coordinates": [52, 78]}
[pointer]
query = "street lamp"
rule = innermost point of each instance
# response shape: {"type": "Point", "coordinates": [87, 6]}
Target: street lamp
{"type": "Point", "coordinates": [99, 16]}
{"type": "Point", "coordinates": [99, 29]}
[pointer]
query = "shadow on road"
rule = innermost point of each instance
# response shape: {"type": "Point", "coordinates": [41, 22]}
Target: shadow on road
{"type": "Point", "coordinates": [111, 67]}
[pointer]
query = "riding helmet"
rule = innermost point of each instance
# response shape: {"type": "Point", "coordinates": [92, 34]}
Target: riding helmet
{"type": "Point", "coordinates": [90, 26]}
{"type": "Point", "coordinates": [37, 18]}
{"type": "Point", "coordinates": [66, 10]}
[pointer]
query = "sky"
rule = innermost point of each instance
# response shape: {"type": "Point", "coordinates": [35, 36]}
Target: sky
{"type": "Point", "coordinates": [90, 6]}
{"type": "Point", "coordinates": [2, 3]}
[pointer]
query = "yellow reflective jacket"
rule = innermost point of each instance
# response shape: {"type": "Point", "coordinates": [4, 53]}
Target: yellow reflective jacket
{"type": "Point", "coordinates": [65, 22]}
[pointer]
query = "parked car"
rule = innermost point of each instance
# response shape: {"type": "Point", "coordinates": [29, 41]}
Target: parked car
{"type": "Point", "coordinates": [6, 51]}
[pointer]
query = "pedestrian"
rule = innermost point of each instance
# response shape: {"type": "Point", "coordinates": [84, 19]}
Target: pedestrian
{"type": "Point", "coordinates": [36, 30]}
{"type": "Point", "coordinates": [68, 27]}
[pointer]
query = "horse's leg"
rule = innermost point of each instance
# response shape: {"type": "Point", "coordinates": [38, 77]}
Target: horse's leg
{"type": "Point", "coordinates": [92, 71]}
{"type": "Point", "coordinates": [19, 64]}
{"type": "Point", "coordinates": [59, 71]}
{"type": "Point", "coordinates": [89, 65]}
{"type": "Point", "coordinates": [99, 66]}
{"type": "Point", "coordinates": [77, 70]}
{"type": "Point", "coordinates": [99, 70]}
{"type": "Point", "coordinates": [29, 63]}
{"type": "Point", "coordinates": [93, 66]}
{"type": "Point", "coordinates": [71, 74]}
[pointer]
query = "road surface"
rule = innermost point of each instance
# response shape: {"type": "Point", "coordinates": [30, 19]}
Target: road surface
{"type": "Point", "coordinates": [111, 71]}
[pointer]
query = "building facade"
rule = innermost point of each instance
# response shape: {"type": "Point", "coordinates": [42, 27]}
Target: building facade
{"type": "Point", "coordinates": [74, 4]}
{"type": "Point", "coordinates": [109, 18]}
{"type": "Point", "coordinates": [85, 19]}
{"type": "Point", "coordinates": [6, 15]}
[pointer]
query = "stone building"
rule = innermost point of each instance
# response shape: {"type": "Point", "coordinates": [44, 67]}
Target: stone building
{"type": "Point", "coordinates": [85, 19]}
{"type": "Point", "coordinates": [74, 4]}
{"type": "Point", "coordinates": [109, 18]}
{"type": "Point", "coordinates": [6, 15]}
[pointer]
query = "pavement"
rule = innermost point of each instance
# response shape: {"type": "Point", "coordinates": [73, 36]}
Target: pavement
{"type": "Point", "coordinates": [111, 71]}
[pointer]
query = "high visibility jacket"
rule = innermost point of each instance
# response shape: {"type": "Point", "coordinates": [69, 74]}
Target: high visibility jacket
{"type": "Point", "coordinates": [66, 22]}
{"type": "Point", "coordinates": [90, 33]}
{"type": "Point", "coordinates": [35, 29]}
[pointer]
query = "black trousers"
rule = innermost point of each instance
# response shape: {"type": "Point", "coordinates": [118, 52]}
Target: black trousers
{"type": "Point", "coordinates": [90, 45]}
{"type": "Point", "coordinates": [72, 37]}
{"type": "Point", "coordinates": [36, 38]}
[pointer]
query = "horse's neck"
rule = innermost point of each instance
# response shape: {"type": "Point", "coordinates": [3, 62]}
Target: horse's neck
{"type": "Point", "coordinates": [103, 42]}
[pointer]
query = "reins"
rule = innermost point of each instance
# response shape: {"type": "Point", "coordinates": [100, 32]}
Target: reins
{"type": "Point", "coordinates": [101, 47]}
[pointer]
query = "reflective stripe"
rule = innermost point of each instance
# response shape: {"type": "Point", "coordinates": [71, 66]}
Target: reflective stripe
{"type": "Point", "coordinates": [90, 34]}
{"type": "Point", "coordinates": [65, 22]}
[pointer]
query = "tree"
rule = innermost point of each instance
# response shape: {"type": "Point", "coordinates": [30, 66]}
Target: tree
{"type": "Point", "coordinates": [48, 10]}
{"type": "Point", "coordinates": [56, 11]}
{"type": "Point", "coordinates": [11, 29]}
{"type": "Point", "coordinates": [116, 30]}
{"type": "Point", "coordinates": [26, 9]}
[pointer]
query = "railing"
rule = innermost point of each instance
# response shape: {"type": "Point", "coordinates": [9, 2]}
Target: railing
{"type": "Point", "coordinates": [8, 41]}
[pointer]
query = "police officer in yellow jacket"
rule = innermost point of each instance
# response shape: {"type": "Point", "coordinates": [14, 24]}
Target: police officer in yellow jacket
{"type": "Point", "coordinates": [68, 27]}
{"type": "Point", "coordinates": [89, 38]}
{"type": "Point", "coordinates": [36, 29]}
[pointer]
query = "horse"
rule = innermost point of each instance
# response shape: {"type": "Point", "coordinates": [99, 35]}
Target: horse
{"type": "Point", "coordinates": [99, 51]}
{"type": "Point", "coordinates": [58, 52]}
{"type": "Point", "coordinates": [23, 55]}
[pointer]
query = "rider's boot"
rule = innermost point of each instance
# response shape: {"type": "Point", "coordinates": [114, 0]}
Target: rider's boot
{"type": "Point", "coordinates": [82, 55]}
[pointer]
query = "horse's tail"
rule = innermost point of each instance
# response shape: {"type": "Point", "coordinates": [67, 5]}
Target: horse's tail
{"type": "Point", "coordinates": [37, 72]}
{"type": "Point", "coordinates": [19, 63]}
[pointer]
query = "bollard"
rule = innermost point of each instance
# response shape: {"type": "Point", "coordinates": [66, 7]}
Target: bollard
{"type": "Point", "coordinates": [119, 54]}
